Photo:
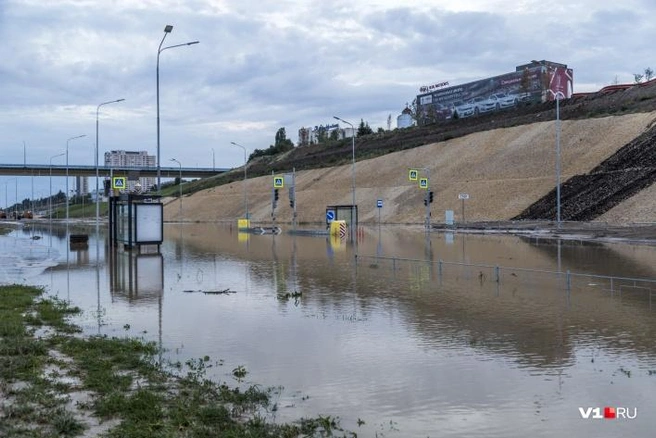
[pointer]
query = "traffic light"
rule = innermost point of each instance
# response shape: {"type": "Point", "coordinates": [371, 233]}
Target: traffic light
{"type": "Point", "coordinates": [275, 194]}
{"type": "Point", "coordinates": [291, 202]}
{"type": "Point", "coordinates": [425, 201]}
{"type": "Point", "coordinates": [430, 197]}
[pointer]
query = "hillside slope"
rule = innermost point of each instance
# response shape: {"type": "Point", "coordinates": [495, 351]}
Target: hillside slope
{"type": "Point", "coordinates": [503, 170]}
{"type": "Point", "coordinates": [586, 197]}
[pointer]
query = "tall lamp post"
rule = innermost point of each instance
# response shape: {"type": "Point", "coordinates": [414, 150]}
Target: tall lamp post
{"type": "Point", "coordinates": [50, 197]}
{"type": "Point", "coordinates": [559, 96]}
{"type": "Point", "coordinates": [67, 142]}
{"type": "Point", "coordinates": [97, 147]}
{"type": "Point", "coordinates": [167, 30]}
{"type": "Point", "coordinates": [179, 186]}
{"type": "Point", "coordinates": [245, 177]}
{"type": "Point", "coordinates": [7, 199]}
{"type": "Point", "coordinates": [16, 196]}
{"type": "Point", "coordinates": [353, 224]}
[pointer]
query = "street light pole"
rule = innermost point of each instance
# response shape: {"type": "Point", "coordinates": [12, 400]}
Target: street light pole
{"type": "Point", "coordinates": [179, 186]}
{"type": "Point", "coordinates": [167, 30]}
{"type": "Point", "coordinates": [559, 95]}
{"type": "Point", "coordinates": [50, 197]}
{"type": "Point", "coordinates": [16, 196]}
{"type": "Point", "coordinates": [245, 177]}
{"type": "Point", "coordinates": [67, 142]}
{"type": "Point", "coordinates": [97, 148]}
{"type": "Point", "coordinates": [353, 216]}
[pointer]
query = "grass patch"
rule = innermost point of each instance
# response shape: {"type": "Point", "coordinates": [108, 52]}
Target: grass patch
{"type": "Point", "coordinates": [65, 424]}
{"type": "Point", "coordinates": [127, 382]}
{"type": "Point", "coordinates": [21, 356]}
{"type": "Point", "coordinates": [53, 313]}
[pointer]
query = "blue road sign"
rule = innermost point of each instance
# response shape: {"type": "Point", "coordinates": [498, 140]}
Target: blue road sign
{"type": "Point", "coordinates": [379, 203]}
{"type": "Point", "coordinates": [330, 215]}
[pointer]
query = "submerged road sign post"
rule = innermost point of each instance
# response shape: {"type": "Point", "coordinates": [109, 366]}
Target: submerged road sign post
{"type": "Point", "coordinates": [379, 206]}
{"type": "Point", "coordinates": [462, 197]}
{"type": "Point", "coordinates": [330, 216]}
{"type": "Point", "coordinates": [423, 184]}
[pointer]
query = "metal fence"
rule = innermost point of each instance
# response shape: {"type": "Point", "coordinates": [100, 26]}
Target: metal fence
{"type": "Point", "coordinates": [449, 272]}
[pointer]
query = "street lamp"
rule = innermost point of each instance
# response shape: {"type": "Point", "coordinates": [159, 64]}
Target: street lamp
{"type": "Point", "coordinates": [7, 199]}
{"type": "Point", "coordinates": [67, 142]}
{"type": "Point", "coordinates": [16, 196]}
{"type": "Point", "coordinates": [97, 171]}
{"type": "Point", "coordinates": [180, 186]}
{"type": "Point", "coordinates": [353, 224]}
{"type": "Point", "coordinates": [167, 30]}
{"type": "Point", "coordinates": [245, 177]}
{"type": "Point", "coordinates": [559, 95]}
{"type": "Point", "coordinates": [50, 197]}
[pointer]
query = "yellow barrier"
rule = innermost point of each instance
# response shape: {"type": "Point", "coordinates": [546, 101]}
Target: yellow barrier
{"type": "Point", "coordinates": [243, 224]}
{"type": "Point", "coordinates": [338, 228]}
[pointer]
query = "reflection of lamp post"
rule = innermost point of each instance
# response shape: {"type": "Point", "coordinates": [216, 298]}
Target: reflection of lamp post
{"type": "Point", "coordinates": [50, 197]}
{"type": "Point", "coordinates": [559, 96]}
{"type": "Point", "coordinates": [97, 171]}
{"type": "Point", "coordinates": [353, 224]}
{"type": "Point", "coordinates": [180, 186]}
{"type": "Point", "coordinates": [167, 29]}
{"type": "Point", "coordinates": [245, 177]}
{"type": "Point", "coordinates": [68, 141]}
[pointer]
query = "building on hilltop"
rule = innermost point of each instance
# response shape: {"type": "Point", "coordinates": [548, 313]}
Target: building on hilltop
{"type": "Point", "coordinates": [320, 133]}
{"type": "Point", "coordinates": [537, 81]}
{"type": "Point", "coordinates": [122, 158]}
{"type": "Point", "coordinates": [405, 120]}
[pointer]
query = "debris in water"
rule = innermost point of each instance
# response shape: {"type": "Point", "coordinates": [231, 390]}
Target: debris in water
{"type": "Point", "coordinates": [211, 292]}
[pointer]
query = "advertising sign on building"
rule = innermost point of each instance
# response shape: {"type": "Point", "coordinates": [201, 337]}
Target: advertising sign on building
{"type": "Point", "coordinates": [538, 81]}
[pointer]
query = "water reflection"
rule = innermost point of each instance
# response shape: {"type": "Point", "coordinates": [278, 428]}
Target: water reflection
{"type": "Point", "coordinates": [136, 276]}
{"type": "Point", "coordinates": [439, 334]}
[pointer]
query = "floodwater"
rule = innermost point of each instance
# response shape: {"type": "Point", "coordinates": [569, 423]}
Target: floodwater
{"type": "Point", "coordinates": [449, 335]}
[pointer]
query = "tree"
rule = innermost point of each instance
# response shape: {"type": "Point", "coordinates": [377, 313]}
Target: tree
{"type": "Point", "coordinates": [282, 142]}
{"type": "Point", "coordinates": [364, 128]}
{"type": "Point", "coordinates": [413, 109]}
{"type": "Point", "coordinates": [334, 135]}
{"type": "Point", "coordinates": [638, 77]}
{"type": "Point", "coordinates": [322, 136]}
{"type": "Point", "coordinates": [649, 74]}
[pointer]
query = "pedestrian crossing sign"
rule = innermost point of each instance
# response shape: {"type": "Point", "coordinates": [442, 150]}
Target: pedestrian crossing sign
{"type": "Point", "coordinates": [278, 182]}
{"type": "Point", "coordinates": [423, 183]}
{"type": "Point", "coordinates": [413, 174]}
{"type": "Point", "coordinates": [118, 183]}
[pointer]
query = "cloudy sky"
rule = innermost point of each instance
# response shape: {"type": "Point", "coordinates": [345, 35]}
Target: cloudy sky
{"type": "Point", "coordinates": [261, 65]}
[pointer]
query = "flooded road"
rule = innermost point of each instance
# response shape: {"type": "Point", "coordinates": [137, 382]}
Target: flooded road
{"type": "Point", "coordinates": [447, 335]}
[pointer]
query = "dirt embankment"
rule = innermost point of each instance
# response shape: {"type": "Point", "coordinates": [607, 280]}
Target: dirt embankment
{"type": "Point", "coordinates": [503, 170]}
{"type": "Point", "coordinates": [621, 176]}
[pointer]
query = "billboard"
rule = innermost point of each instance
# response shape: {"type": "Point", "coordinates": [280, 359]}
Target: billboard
{"type": "Point", "coordinates": [536, 82]}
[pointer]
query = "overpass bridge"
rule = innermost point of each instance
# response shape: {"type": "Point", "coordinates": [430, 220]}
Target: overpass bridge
{"type": "Point", "coordinates": [106, 171]}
